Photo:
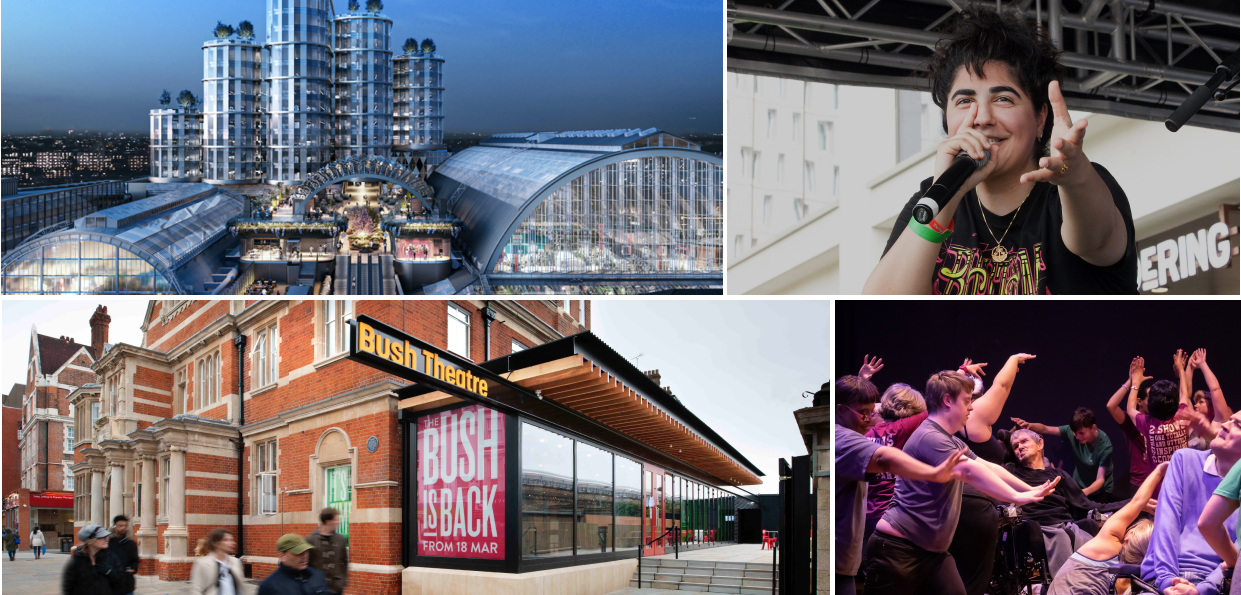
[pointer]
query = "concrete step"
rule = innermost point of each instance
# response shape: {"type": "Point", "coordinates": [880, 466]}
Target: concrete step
{"type": "Point", "coordinates": [726, 581]}
{"type": "Point", "coordinates": [701, 579]}
{"type": "Point", "coordinates": [758, 583]}
{"type": "Point", "coordinates": [758, 574]}
{"type": "Point", "coordinates": [729, 572]}
{"type": "Point", "coordinates": [723, 589]}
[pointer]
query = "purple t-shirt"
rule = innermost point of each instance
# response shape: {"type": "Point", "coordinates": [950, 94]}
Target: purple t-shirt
{"type": "Point", "coordinates": [1137, 452]}
{"type": "Point", "coordinates": [1163, 438]}
{"type": "Point", "coordinates": [883, 485]}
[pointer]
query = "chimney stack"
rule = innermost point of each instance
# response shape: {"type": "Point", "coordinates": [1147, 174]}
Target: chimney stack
{"type": "Point", "coordinates": [653, 375]}
{"type": "Point", "coordinates": [99, 322]}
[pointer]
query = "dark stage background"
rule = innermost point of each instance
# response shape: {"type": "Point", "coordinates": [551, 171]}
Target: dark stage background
{"type": "Point", "coordinates": [1083, 348]}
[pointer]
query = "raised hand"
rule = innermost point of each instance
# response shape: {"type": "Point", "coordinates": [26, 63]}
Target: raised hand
{"type": "Point", "coordinates": [1137, 372]}
{"type": "Point", "coordinates": [1198, 359]}
{"type": "Point", "coordinates": [943, 471]}
{"type": "Point", "coordinates": [1037, 494]}
{"type": "Point", "coordinates": [1067, 163]}
{"type": "Point", "coordinates": [870, 366]}
{"type": "Point", "coordinates": [973, 368]}
{"type": "Point", "coordinates": [1178, 361]}
{"type": "Point", "coordinates": [1023, 357]}
{"type": "Point", "coordinates": [1020, 423]}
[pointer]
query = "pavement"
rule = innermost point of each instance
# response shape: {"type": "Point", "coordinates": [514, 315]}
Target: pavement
{"type": "Point", "coordinates": [27, 576]}
{"type": "Point", "coordinates": [742, 552]}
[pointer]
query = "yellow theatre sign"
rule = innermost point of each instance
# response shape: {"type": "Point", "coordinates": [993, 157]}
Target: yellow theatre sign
{"type": "Point", "coordinates": [416, 356]}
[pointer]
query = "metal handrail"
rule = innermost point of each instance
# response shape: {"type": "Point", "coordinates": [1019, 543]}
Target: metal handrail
{"type": "Point", "coordinates": [676, 548]}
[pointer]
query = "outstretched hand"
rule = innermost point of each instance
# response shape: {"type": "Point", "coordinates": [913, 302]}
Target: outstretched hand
{"type": "Point", "coordinates": [1179, 361]}
{"type": "Point", "coordinates": [1038, 493]}
{"type": "Point", "coordinates": [1066, 145]}
{"type": "Point", "coordinates": [973, 368]}
{"type": "Point", "coordinates": [1198, 359]}
{"type": "Point", "coordinates": [1020, 423]}
{"type": "Point", "coordinates": [870, 366]}
{"type": "Point", "coordinates": [1023, 357]}
{"type": "Point", "coordinates": [1137, 372]}
{"type": "Point", "coordinates": [943, 471]}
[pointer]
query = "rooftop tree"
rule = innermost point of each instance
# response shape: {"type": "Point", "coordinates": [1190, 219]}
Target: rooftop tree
{"type": "Point", "coordinates": [186, 98]}
{"type": "Point", "coordinates": [354, 6]}
{"type": "Point", "coordinates": [411, 45]}
{"type": "Point", "coordinates": [428, 46]}
{"type": "Point", "coordinates": [223, 31]}
{"type": "Point", "coordinates": [246, 30]}
{"type": "Point", "coordinates": [374, 5]}
{"type": "Point", "coordinates": [165, 98]}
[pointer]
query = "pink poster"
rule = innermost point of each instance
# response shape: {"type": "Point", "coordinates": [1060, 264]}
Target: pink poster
{"type": "Point", "coordinates": [461, 483]}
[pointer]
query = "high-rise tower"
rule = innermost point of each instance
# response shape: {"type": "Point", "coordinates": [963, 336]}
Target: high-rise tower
{"type": "Point", "coordinates": [361, 42]}
{"type": "Point", "coordinates": [418, 123]}
{"type": "Point", "coordinates": [297, 86]}
{"type": "Point", "coordinates": [232, 151]}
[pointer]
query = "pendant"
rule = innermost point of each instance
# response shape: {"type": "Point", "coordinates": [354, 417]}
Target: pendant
{"type": "Point", "coordinates": [999, 254]}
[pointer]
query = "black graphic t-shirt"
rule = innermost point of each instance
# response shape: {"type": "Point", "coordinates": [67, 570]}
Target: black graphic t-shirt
{"type": "Point", "coordinates": [1038, 261]}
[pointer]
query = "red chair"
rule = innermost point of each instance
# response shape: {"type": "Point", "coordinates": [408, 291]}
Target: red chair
{"type": "Point", "coordinates": [768, 540]}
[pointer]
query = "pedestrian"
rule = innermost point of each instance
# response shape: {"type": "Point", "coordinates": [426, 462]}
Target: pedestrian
{"type": "Point", "coordinates": [10, 543]}
{"type": "Point", "coordinates": [293, 575]}
{"type": "Point", "coordinates": [123, 554]}
{"type": "Point", "coordinates": [36, 542]}
{"type": "Point", "coordinates": [88, 572]}
{"type": "Point", "coordinates": [217, 571]}
{"type": "Point", "coordinates": [331, 553]}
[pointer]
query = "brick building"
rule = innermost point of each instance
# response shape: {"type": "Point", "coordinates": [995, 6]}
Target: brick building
{"type": "Point", "coordinates": [170, 427]}
{"type": "Point", "coordinates": [12, 407]}
{"type": "Point", "coordinates": [56, 367]}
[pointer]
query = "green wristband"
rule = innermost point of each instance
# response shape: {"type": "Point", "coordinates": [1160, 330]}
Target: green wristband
{"type": "Point", "coordinates": [927, 233]}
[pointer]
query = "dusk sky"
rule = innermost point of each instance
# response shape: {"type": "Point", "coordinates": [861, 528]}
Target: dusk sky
{"type": "Point", "coordinates": [526, 65]}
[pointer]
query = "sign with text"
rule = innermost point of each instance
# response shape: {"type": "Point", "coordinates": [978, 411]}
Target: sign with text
{"type": "Point", "coordinates": [417, 357]}
{"type": "Point", "coordinates": [1196, 258]}
{"type": "Point", "coordinates": [461, 483]}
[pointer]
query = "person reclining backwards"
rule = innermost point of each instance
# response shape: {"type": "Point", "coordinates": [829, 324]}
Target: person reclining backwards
{"type": "Point", "coordinates": [1121, 541]}
{"type": "Point", "coordinates": [1092, 451]}
{"type": "Point", "coordinates": [1059, 510]}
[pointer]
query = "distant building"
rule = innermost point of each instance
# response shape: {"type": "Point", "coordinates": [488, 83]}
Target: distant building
{"type": "Point", "coordinates": [12, 474]}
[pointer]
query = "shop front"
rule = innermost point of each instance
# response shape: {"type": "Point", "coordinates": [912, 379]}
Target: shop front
{"type": "Point", "coordinates": [51, 511]}
{"type": "Point", "coordinates": [560, 459]}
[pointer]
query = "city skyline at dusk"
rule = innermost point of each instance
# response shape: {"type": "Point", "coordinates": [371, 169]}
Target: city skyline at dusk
{"type": "Point", "coordinates": [509, 67]}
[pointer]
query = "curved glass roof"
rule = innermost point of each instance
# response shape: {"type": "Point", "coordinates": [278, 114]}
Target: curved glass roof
{"type": "Point", "coordinates": [511, 175]}
{"type": "Point", "coordinates": [492, 189]}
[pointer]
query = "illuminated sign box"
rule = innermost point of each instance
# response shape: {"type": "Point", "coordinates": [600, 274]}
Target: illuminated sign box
{"type": "Point", "coordinates": [461, 491]}
{"type": "Point", "coordinates": [1197, 258]}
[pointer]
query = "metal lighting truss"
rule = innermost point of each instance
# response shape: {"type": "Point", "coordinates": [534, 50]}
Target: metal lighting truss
{"type": "Point", "coordinates": [1131, 58]}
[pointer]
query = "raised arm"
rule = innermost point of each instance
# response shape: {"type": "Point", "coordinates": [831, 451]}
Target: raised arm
{"type": "Point", "coordinates": [1097, 484]}
{"type": "Point", "coordinates": [1119, 522]}
{"type": "Point", "coordinates": [896, 462]}
{"type": "Point", "coordinates": [1161, 564]}
{"type": "Point", "coordinates": [870, 366]}
{"type": "Point", "coordinates": [1008, 478]}
{"type": "Point", "coordinates": [1222, 410]}
{"type": "Point", "coordinates": [1036, 427]}
{"type": "Point", "coordinates": [988, 407]}
{"type": "Point", "coordinates": [1211, 525]}
{"type": "Point", "coordinates": [981, 475]}
{"type": "Point", "coordinates": [1115, 405]}
{"type": "Point", "coordinates": [1137, 375]}
{"type": "Point", "coordinates": [1180, 366]}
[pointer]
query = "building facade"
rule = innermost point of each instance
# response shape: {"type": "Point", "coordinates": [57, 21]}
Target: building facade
{"type": "Point", "coordinates": [362, 50]}
{"type": "Point", "coordinates": [297, 87]}
{"type": "Point", "coordinates": [56, 367]}
{"type": "Point", "coordinates": [248, 416]}
{"type": "Point", "coordinates": [176, 145]}
{"type": "Point", "coordinates": [232, 132]}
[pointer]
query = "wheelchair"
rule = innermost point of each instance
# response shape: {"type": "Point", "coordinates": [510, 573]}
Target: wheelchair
{"type": "Point", "coordinates": [1021, 557]}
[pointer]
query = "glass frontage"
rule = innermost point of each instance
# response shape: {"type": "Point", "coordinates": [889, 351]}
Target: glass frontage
{"type": "Point", "coordinates": [546, 493]}
{"type": "Point", "coordinates": [81, 266]}
{"type": "Point", "coordinates": [644, 215]}
{"type": "Point", "coordinates": [22, 216]}
{"type": "Point", "coordinates": [232, 126]}
{"type": "Point", "coordinates": [296, 85]}
{"type": "Point", "coordinates": [594, 500]}
{"type": "Point", "coordinates": [431, 249]}
{"type": "Point", "coordinates": [419, 89]}
{"type": "Point", "coordinates": [176, 145]}
{"type": "Point", "coordinates": [628, 504]}
{"type": "Point", "coordinates": [363, 79]}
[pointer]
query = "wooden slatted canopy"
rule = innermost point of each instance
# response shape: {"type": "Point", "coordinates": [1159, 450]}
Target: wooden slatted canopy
{"type": "Point", "coordinates": [590, 389]}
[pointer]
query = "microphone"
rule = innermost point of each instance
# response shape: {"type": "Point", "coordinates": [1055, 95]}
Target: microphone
{"type": "Point", "coordinates": [947, 185]}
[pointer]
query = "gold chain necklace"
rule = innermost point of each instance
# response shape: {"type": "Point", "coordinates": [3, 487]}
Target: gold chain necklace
{"type": "Point", "coordinates": [999, 253]}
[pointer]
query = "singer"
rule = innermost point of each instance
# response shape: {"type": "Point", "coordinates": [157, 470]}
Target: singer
{"type": "Point", "coordinates": [1039, 217]}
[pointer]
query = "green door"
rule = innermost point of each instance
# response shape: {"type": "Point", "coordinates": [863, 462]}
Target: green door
{"type": "Point", "coordinates": [340, 495]}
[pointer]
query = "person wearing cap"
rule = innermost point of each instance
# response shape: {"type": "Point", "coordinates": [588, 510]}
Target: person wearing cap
{"type": "Point", "coordinates": [293, 575]}
{"type": "Point", "coordinates": [330, 553]}
{"type": "Point", "coordinates": [88, 571]}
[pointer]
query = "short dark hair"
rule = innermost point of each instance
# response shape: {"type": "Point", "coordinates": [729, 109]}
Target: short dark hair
{"type": "Point", "coordinates": [1082, 418]}
{"type": "Point", "coordinates": [118, 518]}
{"type": "Point", "coordinates": [327, 514]}
{"type": "Point", "coordinates": [978, 36]}
{"type": "Point", "coordinates": [1164, 398]}
{"type": "Point", "coordinates": [948, 383]}
{"type": "Point", "coordinates": [852, 391]}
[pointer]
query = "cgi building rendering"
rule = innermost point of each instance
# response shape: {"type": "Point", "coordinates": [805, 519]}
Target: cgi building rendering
{"type": "Point", "coordinates": [314, 163]}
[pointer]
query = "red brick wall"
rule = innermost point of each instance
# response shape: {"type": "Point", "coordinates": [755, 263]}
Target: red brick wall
{"type": "Point", "coordinates": [157, 332]}
{"type": "Point", "coordinates": [12, 469]}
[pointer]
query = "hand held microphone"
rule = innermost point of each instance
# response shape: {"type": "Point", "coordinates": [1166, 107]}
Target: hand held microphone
{"type": "Point", "coordinates": [942, 191]}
